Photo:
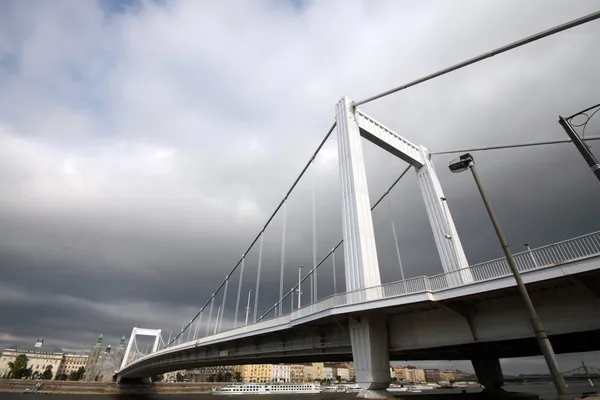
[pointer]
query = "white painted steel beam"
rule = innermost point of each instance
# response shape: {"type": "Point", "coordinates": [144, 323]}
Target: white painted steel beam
{"type": "Point", "coordinates": [446, 237]}
{"type": "Point", "coordinates": [360, 253]}
{"type": "Point", "coordinates": [380, 135]}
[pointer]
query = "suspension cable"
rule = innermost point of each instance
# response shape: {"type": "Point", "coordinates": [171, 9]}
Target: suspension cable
{"type": "Point", "coordinates": [280, 311]}
{"type": "Point", "coordinates": [387, 192]}
{"type": "Point", "coordinates": [392, 223]}
{"type": "Point", "coordinates": [314, 241]}
{"type": "Point", "coordinates": [510, 146]}
{"type": "Point", "coordinates": [257, 292]}
{"type": "Point", "coordinates": [500, 50]}
{"type": "Point", "coordinates": [237, 302]}
{"type": "Point", "coordinates": [290, 190]}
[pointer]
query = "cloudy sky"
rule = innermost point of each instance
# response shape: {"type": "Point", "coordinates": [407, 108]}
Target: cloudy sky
{"type": "Point", "coordinates": [143, 144]}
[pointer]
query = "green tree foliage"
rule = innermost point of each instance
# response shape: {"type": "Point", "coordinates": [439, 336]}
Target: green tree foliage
{"type": "Point", "coordinates": [157, 378]}
{"type": "Point", "coordinates": [77, 375]}
{"type": "Point", "coordinates": [338, 378]}
{"type": "Point", "coordinates": [227, 376]}
{"type": "Point", "coordinates": [238, 376]}
{"type": "Point", "coordinates": [62, 377]}
{"type": "Point", "coordinates": [220, 377]}
{"type": "Point", "coordinates": [18, 368]}
{"type": "Point", "coordinates": [179, 377]}
{"type": "Point", "coordinates": [47, 374]}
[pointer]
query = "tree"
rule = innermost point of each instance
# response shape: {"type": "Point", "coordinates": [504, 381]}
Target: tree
{"type": "Point", "coordinates": [238, 376]}
{"type": "Point", "coordinates": [62, 377]}
{"type": "Point", "coordinates": [212, 378]}
{"type": "Point", "coordinates": [47, 374]}
{"type": "Point", "coordinates": [77, 375]}
{"type": "Point", "coordinates": [18, 368]}
{"type": "Point", "coordinates": [227, 376]}
{"type": "Point", "coordinates": [220, 377]}
{"type": "Point", "coordinates": [338, 378]}
{"type": "Point", "coordinates": [157, 378]}
{"type": "Point", "coordinates": [179, 377]}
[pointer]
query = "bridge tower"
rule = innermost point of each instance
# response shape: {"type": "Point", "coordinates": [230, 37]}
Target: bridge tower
{"type": "Point", "coordinates": [368, 333]}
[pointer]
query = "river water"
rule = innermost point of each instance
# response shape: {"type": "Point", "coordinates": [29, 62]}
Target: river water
{"type": "Point", "coordinates": [545, 391]}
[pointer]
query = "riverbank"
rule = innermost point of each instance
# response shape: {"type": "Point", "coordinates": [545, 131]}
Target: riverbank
{"type": "Point", "coordinates": [106, 388]}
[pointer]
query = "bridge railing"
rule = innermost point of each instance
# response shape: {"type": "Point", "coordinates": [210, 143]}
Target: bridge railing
{"type": "Point", "coordinates": [557, 253]}
{"type": "Point", "coordinates": [554, 254]}
{"type": "Point", "coordinates": [570, 250]}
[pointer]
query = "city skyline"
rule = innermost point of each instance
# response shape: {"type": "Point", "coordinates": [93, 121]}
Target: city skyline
{"type": "Point", "coordinates": [141, 159]}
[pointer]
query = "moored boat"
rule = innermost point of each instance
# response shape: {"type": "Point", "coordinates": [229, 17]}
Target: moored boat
{"type": "Point", "coordinates": [268, 388]}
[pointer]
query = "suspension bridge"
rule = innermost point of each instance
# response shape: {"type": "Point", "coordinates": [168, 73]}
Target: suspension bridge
{"type": "Point", "coordinates": [470, 312]}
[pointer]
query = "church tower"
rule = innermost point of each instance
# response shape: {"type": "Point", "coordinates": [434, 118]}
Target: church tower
{"type": "Point", "coordinates": [92, 361]}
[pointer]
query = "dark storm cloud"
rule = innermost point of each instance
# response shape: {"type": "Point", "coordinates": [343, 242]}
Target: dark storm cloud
{"type": "Point", "coordinates": [138, 163]}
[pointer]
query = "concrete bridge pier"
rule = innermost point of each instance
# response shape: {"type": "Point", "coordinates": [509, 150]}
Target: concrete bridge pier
{"type": "Point", "coordinates": [368, 336]}
{"type": "Point", "coordinates": [489, 372]}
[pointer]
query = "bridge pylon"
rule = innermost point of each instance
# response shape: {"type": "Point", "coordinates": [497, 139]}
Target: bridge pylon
{"type": "Point", "coordinates": [368, 334]}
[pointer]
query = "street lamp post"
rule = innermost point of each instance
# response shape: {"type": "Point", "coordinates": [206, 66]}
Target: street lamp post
{"type": "Point", "coordinates": [462, 164]}
{"type": "Point", "coordinates": [583, 149]}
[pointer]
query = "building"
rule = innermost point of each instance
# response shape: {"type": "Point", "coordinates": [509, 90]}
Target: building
{"type": "Point", "coordinates": [71, 363]}
{"type": "Point", "coordinates": [328, 374]}
{"type": "Point", "coordinates": [342, 372]}
{"type": "Point", "coordinates": [432, 375]}
{"type": "Point", "coordinates": [280, 373]}
{"type": "Point", "coordinates": [222, 373]}
{"type": "Point", "coordinates": [452, 375]}
{"type": "Point", "coordinates": [314, 372]}
{"type": "Point", "coordinates": [256, 373]}
{"type": "Point", "coordinates": [409, 374]}
{"type": "Point", "coordinates": [40, 357]}
{"type": "Point", "coordinates": [296, 373]}
{"type": "Point", "coordinates": [172, 376]}
{"type": "Point", "coordinates": [90, 366]}
{"type": "Point", "coordinates": [351, 372]}
{"type": "Point", "coordinates": [109, 362]}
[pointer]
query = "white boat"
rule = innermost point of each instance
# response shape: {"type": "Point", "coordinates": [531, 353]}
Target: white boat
{"type": "Point", "coordinates": [423, 387]}
{"type": "Point", "coordinates": [267, 388]}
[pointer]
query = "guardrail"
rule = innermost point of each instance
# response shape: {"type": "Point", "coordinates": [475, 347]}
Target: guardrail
{"type": "Point", "coordinates": [566, 251]}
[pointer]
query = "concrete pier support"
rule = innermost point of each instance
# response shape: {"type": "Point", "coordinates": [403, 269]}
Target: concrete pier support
{"type": "Point", "coordinates": [489, 372]}
{"type": "Point", "coordinates": [370, 352]}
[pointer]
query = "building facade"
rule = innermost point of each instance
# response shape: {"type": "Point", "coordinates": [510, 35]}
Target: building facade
{"type": "Point", "coordinates": [257, 373]}
{"type": "Point", "coordinates": [40, 357]}
{"type": "Point", "coordinates": [71, 363]}
{"type": "Point", "coordinates": [432, 375]}
{"type": "Point", "coordinates": [280, 373]}
{"type": "Point", "coordinates": [90, 366]}
{"type": "Point", "coordinates": [409, 374]}
{"type": "Point", "coordinates": [314, 371]}
{"type": "Point", "coordinates": [296, 373]}
{"type": "Point", "coordinates": [328, 374]}
{"type": "Point", "coordinates": [212, 374]}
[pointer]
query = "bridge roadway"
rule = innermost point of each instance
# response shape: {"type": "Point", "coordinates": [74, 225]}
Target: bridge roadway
{"type": "Point", "coordinates": [456, 315]}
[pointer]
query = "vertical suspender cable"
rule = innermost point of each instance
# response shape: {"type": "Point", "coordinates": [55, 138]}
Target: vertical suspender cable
{"type": "Point", "coordinates": [314, 244]}
{"type": "Point", "coordinates": [260, 251]}
{"type": "Point", "coordinates": [395, 236]}
{"type": "Point", "coordinates": [280, 308]}
{"type": "Point", "coordinates": [180, 334]}
{"type": "Point", "coordinates": [217, 320]}
{"type": "Point", "coordinates": [237, 302]}
{"type": "Point", "coordinates": [190, 330]}
{"type": "Point", "coordinates": [334, 278]}
{"type": "Point", "coordinates": [198, 324]}
{"type": "Point", "coordinates": [223, 302]}
{"type": "Point", "coordinates": [212, 303]}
